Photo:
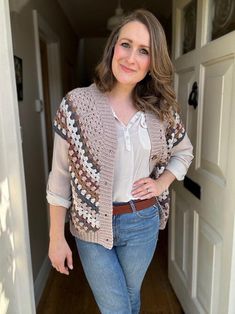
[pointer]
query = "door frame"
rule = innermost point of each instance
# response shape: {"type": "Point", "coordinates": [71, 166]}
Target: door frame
{"type": "Point", "coordinates": [13, 187]}
{"type": "Point", "coordinates": [44, 31]}
{"type": "Point", "coordinates": [231, 305]}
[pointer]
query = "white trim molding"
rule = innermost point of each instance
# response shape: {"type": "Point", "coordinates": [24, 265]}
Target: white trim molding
{"type": "Point", "coordinates": [41, 279]}
{"type": "Point", "coordinates": [43, 30]}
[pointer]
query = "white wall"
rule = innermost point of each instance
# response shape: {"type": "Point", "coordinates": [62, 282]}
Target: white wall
{"type": "Point", "coordinates": [23, 46]}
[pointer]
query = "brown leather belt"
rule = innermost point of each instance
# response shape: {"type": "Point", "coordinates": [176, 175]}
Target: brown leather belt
{"type": "Point", "coordinates": [139, 204]}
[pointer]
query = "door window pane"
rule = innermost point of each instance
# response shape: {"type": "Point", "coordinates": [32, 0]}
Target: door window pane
{"type": "Point", "coordinates": [189, 26]}
{"type": "Point", "coordinates": [222, 18]}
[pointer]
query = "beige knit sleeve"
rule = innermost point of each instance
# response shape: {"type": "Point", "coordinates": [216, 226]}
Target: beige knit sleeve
{"type": "Point", "coordinates": [58, 186]}
{"type": "Point", "coordinates": [181, 158]}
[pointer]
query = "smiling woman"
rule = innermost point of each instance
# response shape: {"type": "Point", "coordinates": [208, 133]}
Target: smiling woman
{"type": "Point", "coordinates": [119, 144]}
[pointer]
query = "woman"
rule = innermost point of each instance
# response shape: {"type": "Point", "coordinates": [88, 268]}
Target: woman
{"type": "Point", "coordinates": [119, 144]}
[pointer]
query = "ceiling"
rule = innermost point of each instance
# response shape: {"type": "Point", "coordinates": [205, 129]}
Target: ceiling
{"type": "Point", "coordinates": [88, 18]}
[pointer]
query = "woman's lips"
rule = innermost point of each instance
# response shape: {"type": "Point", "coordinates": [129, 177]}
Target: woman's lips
{"type": "Point", "coordinates": [126, 69]}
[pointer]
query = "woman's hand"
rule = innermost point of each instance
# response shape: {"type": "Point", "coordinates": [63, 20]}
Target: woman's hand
{"type": "Point", "coordinates": [60, 254]}
{"type": "Point", "coordinates": [147, 187]}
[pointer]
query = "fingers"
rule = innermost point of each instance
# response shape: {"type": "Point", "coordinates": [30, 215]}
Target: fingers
{"type": "Point", "coordinates": [54, 266]}
{"type": "Point", "coordinates": [146, 188]}
{"type": "Point", "coordinates": [70, 260]}
{"type": "Point", "coordinates": [61, 269]}
{"type": "Point", "coordinates": [142, 181]}
{"type": "Point", "coordinates": [143, 192]}
{"type": "Point", "coordinates": [142, 188]}
{"type": "Point", "coordinates": [64, 270]}
{"type": "Point", "coordinates": [145, 195]}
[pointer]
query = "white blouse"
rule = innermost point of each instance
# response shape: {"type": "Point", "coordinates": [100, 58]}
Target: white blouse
{"type": "Point", "coordinates": [131, 163]}
{"type": "Point", "coordinates": [132, 156]}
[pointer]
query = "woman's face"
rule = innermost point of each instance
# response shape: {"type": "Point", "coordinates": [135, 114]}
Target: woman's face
{"type": "Point", "coordinates": [131, 58]}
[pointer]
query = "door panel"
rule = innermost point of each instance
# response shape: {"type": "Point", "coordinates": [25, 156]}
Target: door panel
{"type": "Point", "coordinates": [209, 272]}
{"type": "Point", "coordinates": [182, 239]}
{"type": "Point", "coordinates": [216, 113]}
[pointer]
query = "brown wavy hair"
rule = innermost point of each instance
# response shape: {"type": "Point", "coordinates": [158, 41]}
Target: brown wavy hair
{"type": "Point", "coordinates": [154, 92]}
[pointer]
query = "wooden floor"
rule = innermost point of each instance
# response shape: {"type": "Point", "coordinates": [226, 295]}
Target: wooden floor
{"type": "Point", "coordinates": [72, 295]}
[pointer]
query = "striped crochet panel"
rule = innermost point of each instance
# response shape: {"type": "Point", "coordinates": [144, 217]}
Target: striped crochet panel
{"type": "Point", "coordinates": [174, 135]}
{"type": "Point", "coordinates": [175, 132]}
{"type": "Point", "coordinates": [84, 167]}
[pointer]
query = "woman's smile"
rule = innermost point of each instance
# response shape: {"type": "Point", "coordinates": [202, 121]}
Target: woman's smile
{"type": "Point", "coordinates": [126, 69]}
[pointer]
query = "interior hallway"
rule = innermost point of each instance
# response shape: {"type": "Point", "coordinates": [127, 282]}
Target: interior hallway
{"type": "Point", "coordinates": [72, 295]}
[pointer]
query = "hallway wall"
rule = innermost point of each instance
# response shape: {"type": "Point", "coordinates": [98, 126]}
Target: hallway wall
{"type": "Point", "coordinates": [23, 46]}
{"type": "Point", "coordinates": [89, 54]}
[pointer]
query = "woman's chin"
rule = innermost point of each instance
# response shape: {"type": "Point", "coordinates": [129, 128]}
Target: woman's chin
{"type": "Point", "coordinates": [124, 81]}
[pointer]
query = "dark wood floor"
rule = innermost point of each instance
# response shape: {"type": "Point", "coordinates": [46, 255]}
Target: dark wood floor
{"type": "Point", "coordinates": [72, 295]}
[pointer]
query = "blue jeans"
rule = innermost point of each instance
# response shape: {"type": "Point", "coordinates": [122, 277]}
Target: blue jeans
{"type": "Point", "coordinates": [115, 276]}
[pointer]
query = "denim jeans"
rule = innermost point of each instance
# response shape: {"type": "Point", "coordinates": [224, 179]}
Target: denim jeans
{"type": "Point", "coordinates": [115, 276]}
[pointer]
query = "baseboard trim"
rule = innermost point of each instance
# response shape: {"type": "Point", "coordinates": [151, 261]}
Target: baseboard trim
{"type": "Point", "coordinates": [41, 280]}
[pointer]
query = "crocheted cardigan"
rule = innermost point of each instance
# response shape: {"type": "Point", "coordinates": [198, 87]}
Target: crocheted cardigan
{"type": "Point", "coordinates": [85, 121]}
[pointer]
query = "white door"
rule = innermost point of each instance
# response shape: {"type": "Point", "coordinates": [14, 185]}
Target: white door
{"type": "Point", "coordinates": [201, 234]}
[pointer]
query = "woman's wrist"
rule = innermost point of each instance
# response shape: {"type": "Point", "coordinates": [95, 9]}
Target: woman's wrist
{"type": "Point", "coordinates": [57, 235]}
{"type": "Point", "coordinates": [165, 180]}
{"type": "Point", "coordinates": [57, 221]}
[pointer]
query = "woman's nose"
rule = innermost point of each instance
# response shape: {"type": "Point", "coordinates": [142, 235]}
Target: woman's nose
{"type": "Point", "coordinates": [131, 56]}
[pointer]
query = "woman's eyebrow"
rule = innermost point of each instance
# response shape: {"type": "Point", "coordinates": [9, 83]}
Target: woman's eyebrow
{"type": "Point", "coordinates": [131, 41]}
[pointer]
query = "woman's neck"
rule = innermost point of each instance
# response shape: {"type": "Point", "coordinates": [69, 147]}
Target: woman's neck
{"type": "Point", "coordinates": [121, 94]}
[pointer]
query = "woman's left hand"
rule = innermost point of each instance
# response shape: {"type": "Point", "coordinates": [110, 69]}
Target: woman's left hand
{"type": "Point", "coordinates": [146, 188]}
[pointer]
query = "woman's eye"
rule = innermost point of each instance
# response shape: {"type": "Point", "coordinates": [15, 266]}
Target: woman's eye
{"type": "Point", "coordinates": [144, 51]}
{"type": "Point", "coordinates": [125, 45]}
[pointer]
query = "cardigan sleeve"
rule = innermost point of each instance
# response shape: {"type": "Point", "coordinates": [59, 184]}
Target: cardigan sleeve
{"type": "Point", "coordinates": [60, 121]}
{"type": "Point", "coordinates": [180, 148]}
{"type": "Point", "coordinates": [181, 158]}
{"type": "Point", "coordinates": [58, 186]}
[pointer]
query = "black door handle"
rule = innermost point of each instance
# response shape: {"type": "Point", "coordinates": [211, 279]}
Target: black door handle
{"type": "Point", "coordinates": [193, 96]}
